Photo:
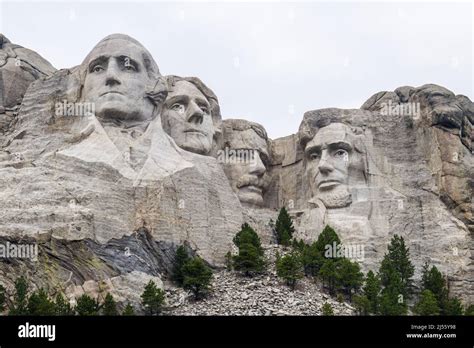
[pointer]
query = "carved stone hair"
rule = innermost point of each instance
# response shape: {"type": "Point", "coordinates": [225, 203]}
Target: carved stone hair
{"type": "Point", "coordinates": [150, 65]}
{"type": "Point", "coordinates": [311, 125]}
{"type": "Point", "coordinates": [230, 125]}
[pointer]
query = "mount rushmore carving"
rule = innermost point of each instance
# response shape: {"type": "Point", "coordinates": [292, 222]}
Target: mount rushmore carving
{"type": "Point", "coordinates": [111, 156]}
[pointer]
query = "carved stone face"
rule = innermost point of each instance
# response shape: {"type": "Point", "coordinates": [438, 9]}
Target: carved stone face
{"type": "Point", "coordinates": [332, 164]}
{"type": "Point", "coordinates": [440, 105]}
{"type": "Point", "coordinates": [187, 118]}
{"type": "Point", "coordinates": [244, 162]}
{"type": "Point", "coordinates": [116, 81]}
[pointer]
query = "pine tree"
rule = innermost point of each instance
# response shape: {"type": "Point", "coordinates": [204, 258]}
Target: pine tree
{"type": "Point", "coordinates": [328, 275]}
{"type": "Point", "coordinates": [20, 298]}
{"type": "Point", "coordinates": [40, 304]}
{"type": "Point", "coordinates": [327, 239]}
{"type": "Point", "coordinates": [433, 280]}
{"type": "Point", "coordinates": [247, 235]}
{"type": "Point", "coordinates": [427, 305]}
{"type": "Point", "coordinates": [290, 268]}
{"type": "Point", "coordinates": [453, 307]}
{"type": "Point", "coordinates": [153, 298]}
{"type": "Point", "coordinates": [180, 259]}
{"type": "Point", "coordinates": [109, 307]}
{"type": "Point", "coordinates": [197, 277]}
{"type": "Point", "coordinates": [284, 227]}
{"type": "Point", "coordinates": [348, 276]}
{"type": "Point", "coordinates": [327, 309]}
{"type": "Point", "coordinates": [87, 306]}
{"type": "Point", "coordinates": [128, 311]}
{"type": "Point", "coordinates": [362, 304]}
{"type": "Point", "coordinates": [2, 298]}
{"type": "Point", "coordinates": [392, 301]}
{"type": "Point", "coordinates": [398, 260]}
{"type": "Point", "coordinates": [62, 307]}
{"type": "Point", "coordinates": [298, 245]}
{"type": "Point", "coordinates": [228, 261]}
{"type": "Point", "coordinates": [372, 290]}
{"type": "Point", "coordinates": [312, 258]}
{"type": "Point", "coordinates": [250, 259]}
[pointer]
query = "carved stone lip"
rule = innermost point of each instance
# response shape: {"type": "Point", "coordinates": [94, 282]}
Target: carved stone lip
{"type": "Point", "coordinates": [328, 183]}
{"type": "Point", "coordinates": [194, 131]}
{"type": "Point", "coordinates": [111, 92]}
{"type": "Point", "coordinates": [253, 188]}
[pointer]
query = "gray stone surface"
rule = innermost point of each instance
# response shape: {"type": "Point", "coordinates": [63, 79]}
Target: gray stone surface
{"type": "Point", "coordinates": [262, 295]}
{"type": "Point", "coordinates": [92, 173]}
{"type": "Point", "coordinates": [19, 67]}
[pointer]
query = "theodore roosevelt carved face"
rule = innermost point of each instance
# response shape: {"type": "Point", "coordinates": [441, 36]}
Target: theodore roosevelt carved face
{"type": "Point", "coordinates": [245, 159]}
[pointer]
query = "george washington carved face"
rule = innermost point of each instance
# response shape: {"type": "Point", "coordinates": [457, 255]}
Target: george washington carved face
{"type": "Point", "coordinates": [334, 162]}
{"type": "Point", "coordinates": [118, 74]}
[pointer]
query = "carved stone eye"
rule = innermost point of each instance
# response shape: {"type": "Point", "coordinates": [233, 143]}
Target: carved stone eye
{"type": "Point", "coordinates": [97, 68]}
{"type": "Point", "coordinates": [313, 156]}
{"type": "Point", "coordinates": [204, 109]}
{"type": "Point", "coordinates": [178, 107]}
{"type": "Point", "coordinates": [340, 153]}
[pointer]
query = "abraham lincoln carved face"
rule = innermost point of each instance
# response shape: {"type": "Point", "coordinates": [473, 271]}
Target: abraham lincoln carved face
{"type": "Point", "coordinates": [334, 161]}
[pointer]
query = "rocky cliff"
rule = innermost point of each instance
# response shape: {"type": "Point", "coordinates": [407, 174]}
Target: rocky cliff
{"type": "Point", "coordinates": [108, 193]}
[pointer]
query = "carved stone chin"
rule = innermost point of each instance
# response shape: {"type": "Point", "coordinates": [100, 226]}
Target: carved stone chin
{"type": "Point", "coordinates": [337, 197]}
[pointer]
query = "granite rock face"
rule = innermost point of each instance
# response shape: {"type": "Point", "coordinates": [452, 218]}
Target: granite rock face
{"type": "Point", "coordinates": [404, 174]}
{"type": "Point", "coordinates": [19, 67]}
{"type": "Point", "coordinates": [108, 166]}
{"type": "Point", "coordinates": [116, 189]}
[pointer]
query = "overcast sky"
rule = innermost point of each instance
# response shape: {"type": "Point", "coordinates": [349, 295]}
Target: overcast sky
{"type": "Point", "coordinates": [268, 62]}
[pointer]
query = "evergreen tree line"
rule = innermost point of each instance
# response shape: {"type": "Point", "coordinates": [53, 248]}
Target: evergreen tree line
{"type": "Point", "coordinates": [39, 303]}
{"type": "Point", "coordinates": [386, 292]}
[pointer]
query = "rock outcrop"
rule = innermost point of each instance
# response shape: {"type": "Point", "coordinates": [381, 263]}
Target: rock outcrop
{"type": "Point", "coordinates": [107, 189]}
{"type": "Point", "coordinates": [19, 67]}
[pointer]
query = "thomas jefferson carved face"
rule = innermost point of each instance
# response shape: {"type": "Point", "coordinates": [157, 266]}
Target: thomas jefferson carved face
{"type": "Point", "coordinates": [244, 160]}
{"type": "Point", "coordinates": [187, 118]}
{"type": "Point", "coordinates": [117, 79]}
{"type": "Point", "coordinates": [333, 164]}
